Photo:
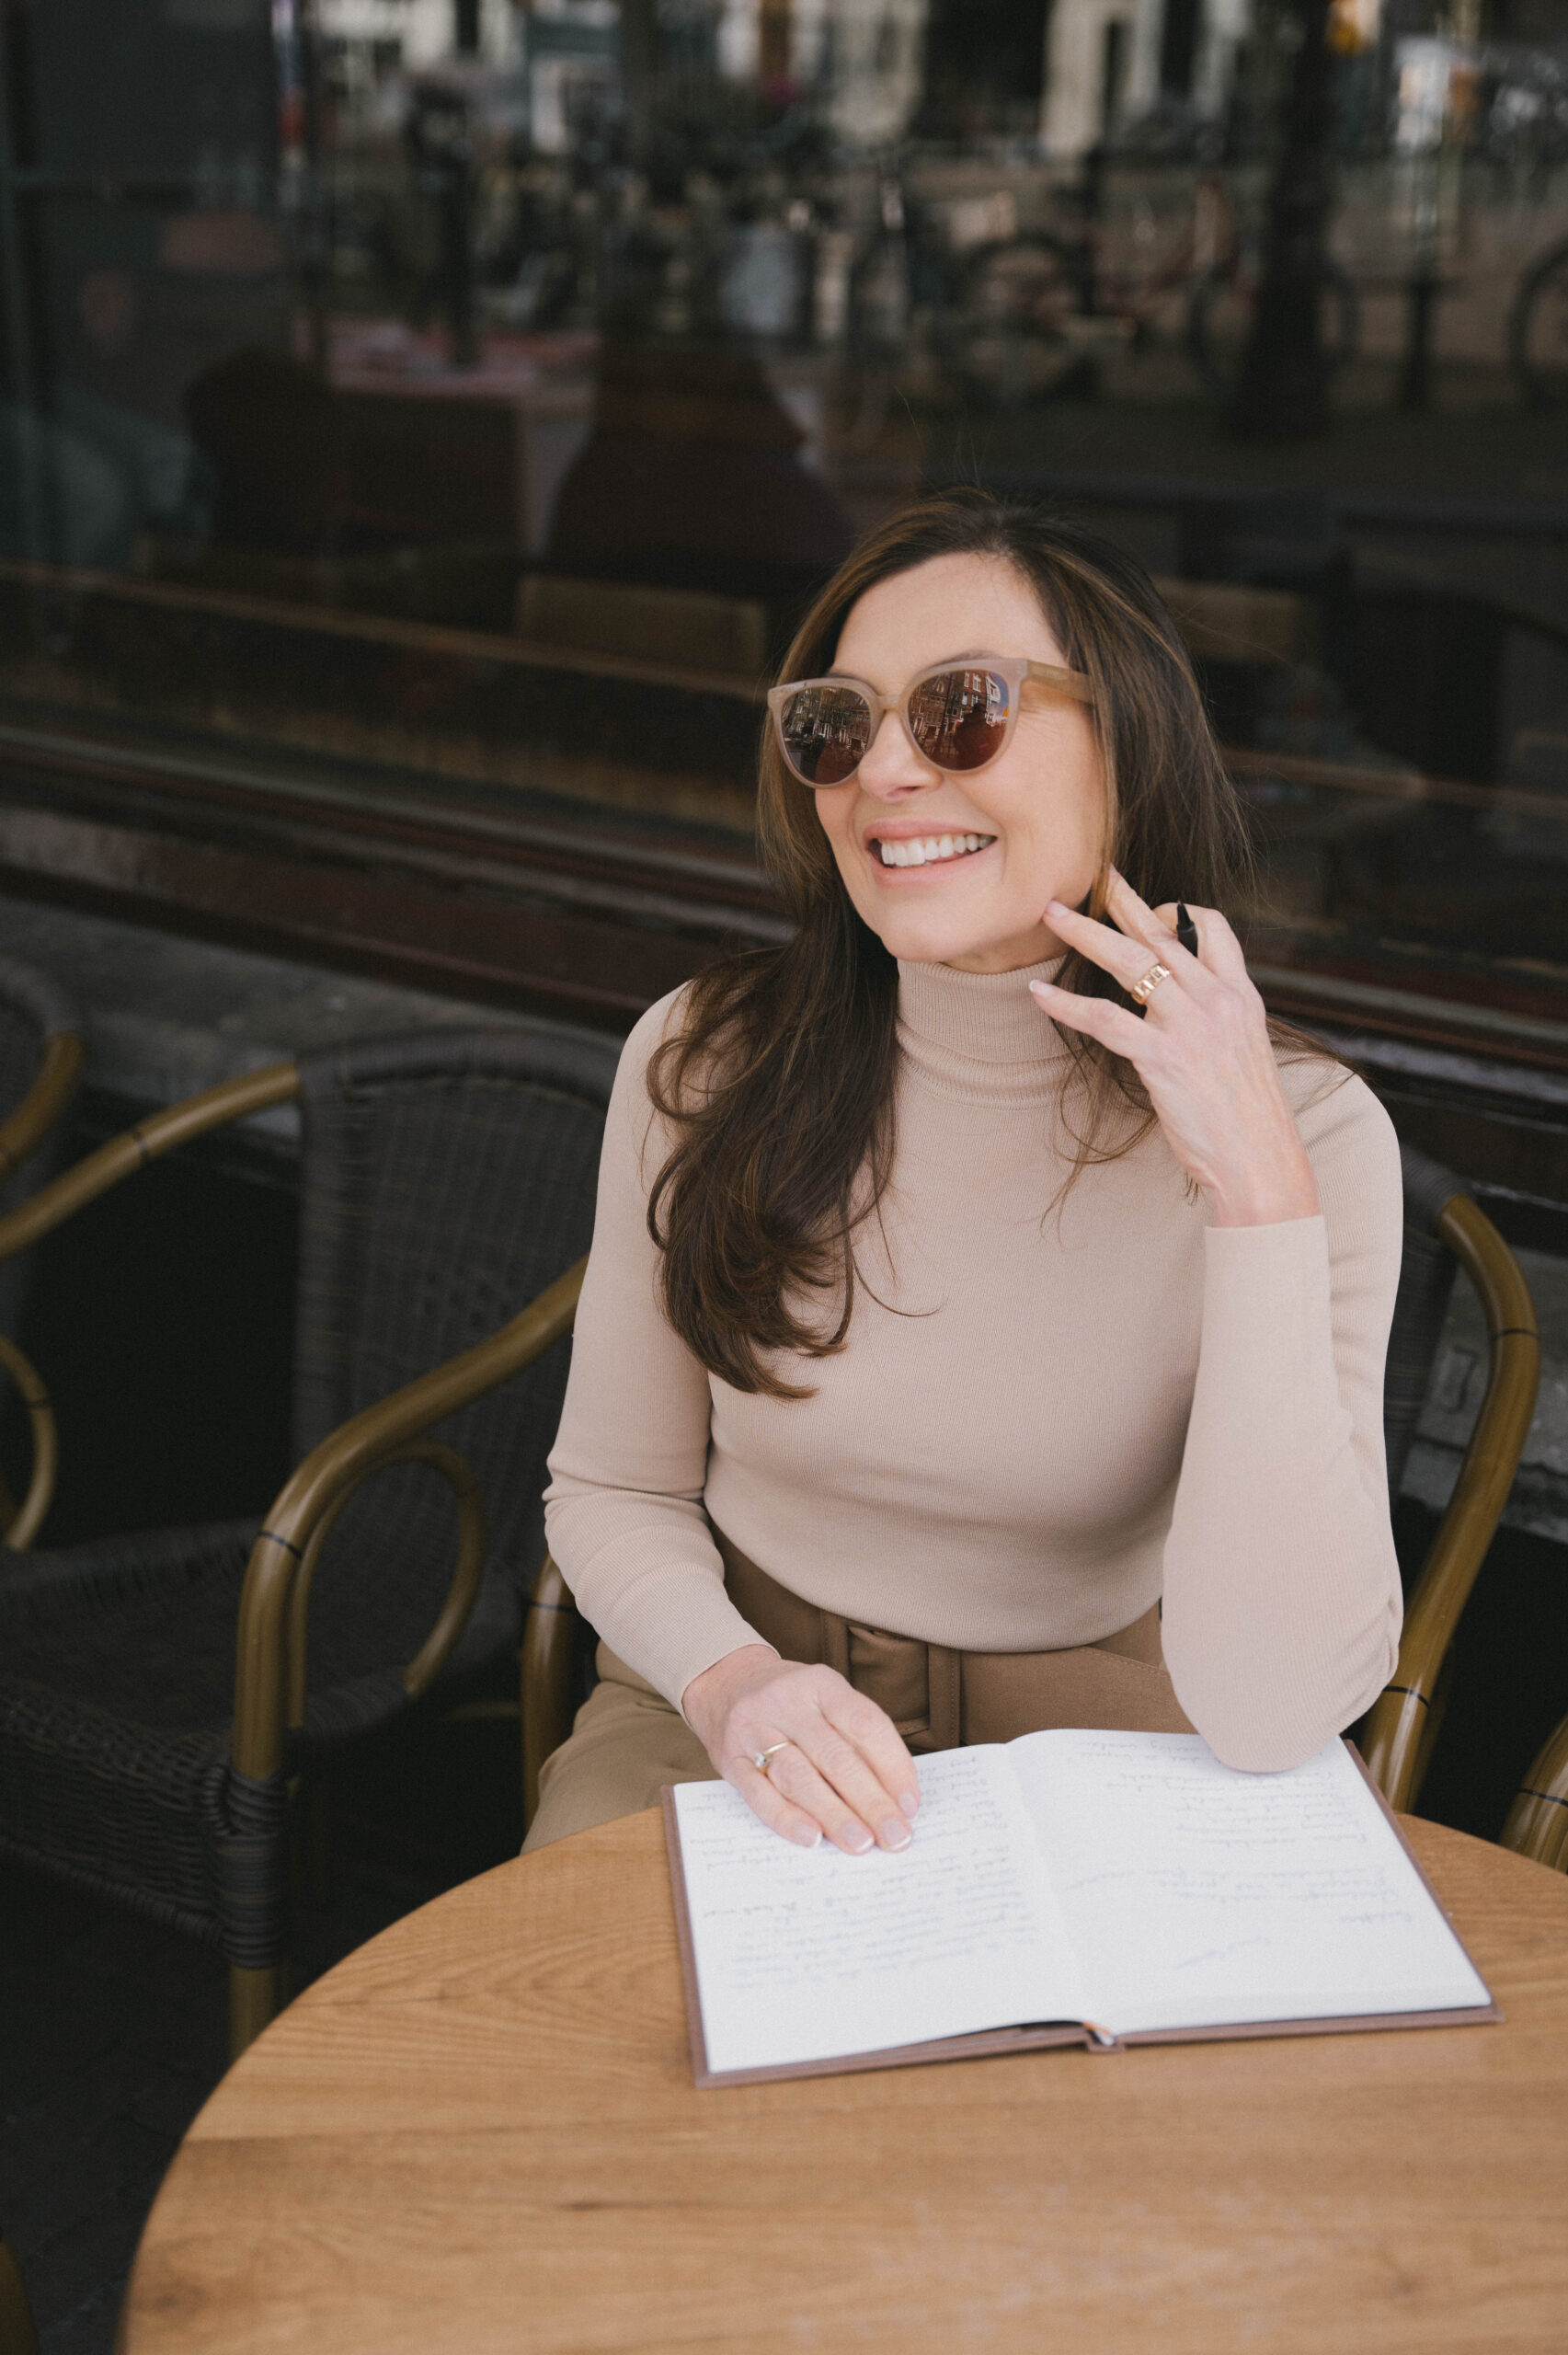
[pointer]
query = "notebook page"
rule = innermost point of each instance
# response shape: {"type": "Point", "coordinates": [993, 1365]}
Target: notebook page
{"type": "Point", "coordinates": [810, 1955]}
{"type": "Point", "coordinates": [1196, 1896]}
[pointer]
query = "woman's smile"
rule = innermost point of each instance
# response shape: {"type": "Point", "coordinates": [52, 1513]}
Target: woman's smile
{"type": "Point", "coordinates": [905, 850]}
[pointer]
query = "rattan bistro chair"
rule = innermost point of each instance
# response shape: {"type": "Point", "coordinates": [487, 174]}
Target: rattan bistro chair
{"type": "Point", "coordinates": [1443, 1230]}
{"type": "Point", "coordinates": [41, 1051]}
{"type": "Point", "coordinates": [154, 1700]}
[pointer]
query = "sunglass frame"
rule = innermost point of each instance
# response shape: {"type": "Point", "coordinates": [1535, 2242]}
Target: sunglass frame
{"type": "Point", "coordinates": [1015, 669]}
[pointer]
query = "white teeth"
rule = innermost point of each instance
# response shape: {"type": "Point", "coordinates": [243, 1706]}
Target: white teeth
{"type": "Point", "coordinates": [929, 849]}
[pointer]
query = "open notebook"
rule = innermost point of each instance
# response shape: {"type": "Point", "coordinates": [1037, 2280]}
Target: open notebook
{"type": "Point", "coordinates": [1067, 1888]}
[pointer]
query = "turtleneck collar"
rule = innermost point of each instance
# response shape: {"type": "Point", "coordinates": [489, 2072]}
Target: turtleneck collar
{"type": "Point", "coordinates": [980, 1034]}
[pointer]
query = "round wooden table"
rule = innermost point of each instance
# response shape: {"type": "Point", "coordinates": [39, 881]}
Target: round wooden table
{"type": "Point", "coordinates": [480, 2133]}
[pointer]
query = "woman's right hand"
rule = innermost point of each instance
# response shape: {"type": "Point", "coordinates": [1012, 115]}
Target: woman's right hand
{"type": "Point", "coordinates": [845, 1771]}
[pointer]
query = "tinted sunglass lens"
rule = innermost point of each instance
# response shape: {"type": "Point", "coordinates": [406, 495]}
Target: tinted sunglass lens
{"type": "Point", "coordinates": [959, 717]}
{"type": "Point", "coordinates": [826, 733]}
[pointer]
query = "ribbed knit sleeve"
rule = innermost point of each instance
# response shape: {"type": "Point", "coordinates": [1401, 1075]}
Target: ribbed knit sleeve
{"type": "Point", "coordinates": [623, 1512]}
{"type": "Point", "coordinates": [1282, 1607]}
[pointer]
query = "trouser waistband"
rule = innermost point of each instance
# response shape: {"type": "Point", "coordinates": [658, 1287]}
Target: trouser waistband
{"type": "Point", "coordinates": [940, 1698]}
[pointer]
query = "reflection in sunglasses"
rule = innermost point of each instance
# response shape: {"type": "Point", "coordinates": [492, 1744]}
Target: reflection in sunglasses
{"type": "Point", "coordinates": [957, 719]}
{"type": "Point", "coordinates": [826, 732]}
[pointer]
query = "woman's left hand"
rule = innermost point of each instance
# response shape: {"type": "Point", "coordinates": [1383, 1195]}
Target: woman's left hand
{"type": "Point", "coordinates": [1201, 1049]}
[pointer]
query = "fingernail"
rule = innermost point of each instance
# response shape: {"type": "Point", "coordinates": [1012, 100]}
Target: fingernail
{"type": "Point", "coordinates": [806, 1834]}
{"type": "Point", "coordinates": [1042, 989]}
{"type": "Point", "coordinates": [910, 1802]}
{"type": "Point", "coordinates": [895, 1835]}
{"type": "Point", "coordinates": [858, 1840]}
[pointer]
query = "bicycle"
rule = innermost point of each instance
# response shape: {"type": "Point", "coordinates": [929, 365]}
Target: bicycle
{"type": "Point", "coordinates": [1040, 313]}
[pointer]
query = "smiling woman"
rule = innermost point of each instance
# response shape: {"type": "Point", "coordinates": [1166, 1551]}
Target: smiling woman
{"type": "Point", "coordinates": [986, 1318]}
{"type": "Point", "coordinates": [999, 728]}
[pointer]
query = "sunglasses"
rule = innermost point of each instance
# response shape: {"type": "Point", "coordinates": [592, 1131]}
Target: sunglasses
{"type": "Point", "coordinates": [958, 716]}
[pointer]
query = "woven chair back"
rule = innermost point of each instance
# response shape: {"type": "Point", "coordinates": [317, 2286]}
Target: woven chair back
{"type": "Point", "coordinates": [1425, 1282]}
{"type": "Point", "coordinates": [446, 1179]}
{"type": "Point", "coordinates": [33, 1009]}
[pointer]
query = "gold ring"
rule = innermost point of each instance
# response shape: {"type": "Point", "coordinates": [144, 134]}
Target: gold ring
{"type": "Point", "coordinates": [762, 1759]}
{"type": "Point", "coordinates": [1144, 990]}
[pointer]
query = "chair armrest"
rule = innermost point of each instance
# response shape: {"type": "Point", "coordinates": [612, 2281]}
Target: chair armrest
{"type": "Point", "coordinates": [146, 1141]}
{"type": "Point", "coordinates": [45, 1101]}
{"type": "Point", "coordinates": [473, 1547]}
{"type": "Point", "coordinates": [365, 1444]}
{"type": "Point", "coordinates": [1394, 1743]}
{"type": "Point", "coordinates": [1538, 1821]}
{"type": "Point", "coordinates": [73, 1188]}
{"type": "Point", "coordinates": [22, 1525]}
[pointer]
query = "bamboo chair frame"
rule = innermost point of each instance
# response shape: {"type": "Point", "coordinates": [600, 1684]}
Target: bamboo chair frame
{"type": "Point", "coordinates": [269, 1668]}
{"type": "Point", "coordinates": [1401, 1726]}
{"type": "Point", "coordinates": [1536, 1824]}
{"type": "Point", "coordinates": [45, 1104]}
{"type": "Point", "coordinates": [549, 1643]}
{"type": "Point", "coordinates": [46, 1101]}
{"type": "Point", "coordinates": [234, 1100]}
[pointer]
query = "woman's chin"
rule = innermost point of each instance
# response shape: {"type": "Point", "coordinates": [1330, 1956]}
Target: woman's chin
{"type": "Point", "coordinates": [918, 937]}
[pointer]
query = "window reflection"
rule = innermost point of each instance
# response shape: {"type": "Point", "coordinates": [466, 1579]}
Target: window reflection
{"type": "Point", "coordinates": [956, 717]}
{"type": "Point", "coordinates": [477, 390]}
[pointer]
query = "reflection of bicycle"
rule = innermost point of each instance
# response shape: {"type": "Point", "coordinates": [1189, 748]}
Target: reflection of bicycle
{"type": "Point", "coordinates": [1040, 313]}
{"type": "Point", "coordinates": [1538, 331]}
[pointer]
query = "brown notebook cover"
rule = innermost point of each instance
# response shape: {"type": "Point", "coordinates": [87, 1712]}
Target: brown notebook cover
{"type": "Point", "coordinates": [1043, 2033]}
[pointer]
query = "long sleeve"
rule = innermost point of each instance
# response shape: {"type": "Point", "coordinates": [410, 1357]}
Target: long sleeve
{"type": "Point", "coordinates": [1281, 1586]}
{"type": "Point", "coordinates": [623, 1512]}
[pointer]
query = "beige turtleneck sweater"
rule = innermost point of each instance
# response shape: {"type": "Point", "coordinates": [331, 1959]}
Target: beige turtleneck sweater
{"type": "Point", "coordinates": [1042, 1420]}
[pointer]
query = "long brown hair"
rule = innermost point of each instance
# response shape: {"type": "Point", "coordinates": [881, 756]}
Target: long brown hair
{"type": "Point", "coordinates": [779, 1085]}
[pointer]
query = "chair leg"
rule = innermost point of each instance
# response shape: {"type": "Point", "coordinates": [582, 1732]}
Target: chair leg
{"type": "Point", "coordinates": [256, 1998]}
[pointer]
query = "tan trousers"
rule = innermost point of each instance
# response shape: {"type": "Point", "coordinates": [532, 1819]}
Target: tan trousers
{"type": "Point", "coordinates": [626, 1744]}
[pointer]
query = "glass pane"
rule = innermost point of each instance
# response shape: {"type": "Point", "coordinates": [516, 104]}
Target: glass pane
{"type": "Point", "coordinates": [452, 404]}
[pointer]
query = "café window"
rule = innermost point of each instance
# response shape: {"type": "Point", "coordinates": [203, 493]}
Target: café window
{"type": "Point", "coordinates": [428, 418]}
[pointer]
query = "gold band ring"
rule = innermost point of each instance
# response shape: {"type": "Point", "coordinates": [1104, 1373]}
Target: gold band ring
{"type": "Point", "coordinates": [1144, 990]}
{"type": "Point", "coordinates": [762, 1759]}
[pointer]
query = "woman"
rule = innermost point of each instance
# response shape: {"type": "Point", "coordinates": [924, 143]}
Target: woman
{"type": "Point", "coordinates": [986, 1319]}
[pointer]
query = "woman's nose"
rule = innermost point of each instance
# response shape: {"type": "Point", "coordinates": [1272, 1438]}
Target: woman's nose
{"type": "Point", "coordinates": [892, 766]}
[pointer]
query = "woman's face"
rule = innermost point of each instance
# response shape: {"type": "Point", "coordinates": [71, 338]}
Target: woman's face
{"type": "Point", "coordinates": [1039, 809]}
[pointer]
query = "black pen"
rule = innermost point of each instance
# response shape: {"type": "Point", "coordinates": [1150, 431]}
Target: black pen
{"type": "Point", "coordinates": [1186, 931]}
